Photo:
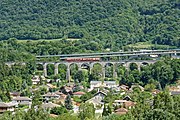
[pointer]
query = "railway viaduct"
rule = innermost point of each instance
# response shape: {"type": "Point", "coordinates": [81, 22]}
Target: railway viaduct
{"type": "Point", "coordinates": [89, 64]}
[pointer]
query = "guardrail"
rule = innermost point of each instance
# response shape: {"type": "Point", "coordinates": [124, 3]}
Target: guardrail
{"type": "Point", "coordinates": [109, 54]}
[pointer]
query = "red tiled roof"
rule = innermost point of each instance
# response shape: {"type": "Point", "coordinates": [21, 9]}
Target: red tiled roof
{"type": "Point", "coordinates": [79, 93]}
{"type": "Point", "coordinates": [121, 111]}
{"type": "Point", "coordinates": [129, 104]}
{"type": "Point", "coordinates": [53, 115]}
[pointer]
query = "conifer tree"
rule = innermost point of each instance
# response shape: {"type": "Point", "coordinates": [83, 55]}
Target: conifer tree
{"type": "Point", "coordinates": [68, 102]}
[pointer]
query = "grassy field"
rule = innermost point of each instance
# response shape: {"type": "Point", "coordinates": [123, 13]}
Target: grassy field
{"type": "Point", "coordinates": [47, 40]}
{"type": "Point", "coordinates": [148, 45]}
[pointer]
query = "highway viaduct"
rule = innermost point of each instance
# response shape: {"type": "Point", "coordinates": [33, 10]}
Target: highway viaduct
{"type": "Point", "coordinates": [116, 54]}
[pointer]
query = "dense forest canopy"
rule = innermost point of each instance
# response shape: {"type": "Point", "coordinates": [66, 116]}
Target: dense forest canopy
{"type": "Point", "coordinates": [112, 23]}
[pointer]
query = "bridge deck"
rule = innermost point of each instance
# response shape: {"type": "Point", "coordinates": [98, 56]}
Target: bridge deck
{"type": "Point", "coordinates": [113, 54]}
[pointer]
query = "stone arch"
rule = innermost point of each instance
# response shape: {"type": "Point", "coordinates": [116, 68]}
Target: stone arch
{"type": "Point", "coordinates": [97, 70]}
{"type": "Point", "coordinates": [108, 64]}
{"type": "Point", "coordinates": [133, 66]}
{"type": "Point", "coordinates": [144, 63]}
{"type": "Point", "coordinates": [85, 66]}
{"type": "Point", "coordinates": [39, 69]}
{"type": "Point", "coordinates": [119, 67]}
{"type": "Point", "coordinates": [39, 66]}
{"type": "Point", "coordinates": [118, 64]}
{"type": "Point", "coordinates": [73, 68]}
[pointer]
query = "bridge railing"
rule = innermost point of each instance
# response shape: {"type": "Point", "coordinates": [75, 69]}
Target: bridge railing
{"type": "Point", "coordinates": [109, 54]}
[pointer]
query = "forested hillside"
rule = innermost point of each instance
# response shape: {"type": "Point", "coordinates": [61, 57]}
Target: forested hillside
{"type": "Point", "coordinates": [111, 23]}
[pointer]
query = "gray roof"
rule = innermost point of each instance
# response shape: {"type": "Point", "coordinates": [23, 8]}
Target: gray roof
{"type": "Point", "coordinates": [95, 82]}
{"type": "Point", "coordinates": [106, 82]}
{"type": "Point", "coordinates": [100, 92]}
{"type": "Point", "coordinates": [175, 92]}
{"type": "Point", "coordinates": [94, 101]}
{"type": "Point", "coordinates": [22, 98]}
{"type": "Point", "coordinates": [49, 105]}
{"type": "Point", "coordinates": [110, 82]}
{"type": "Point", "coordinates": [50, 95]}
{"type": "Point", "coordinates": [5, 105]}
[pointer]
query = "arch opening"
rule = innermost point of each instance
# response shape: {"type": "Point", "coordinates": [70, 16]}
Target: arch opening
{"type": "Point", "coordinates": [62, 69]}
{"type": "Point", "coordinates": [96, 72]}
{"type": "Point", "coordinates": [120, 69]}
{"type": "Point", "coordinates": [109, 70]}
{"type": "Point", "coordinates": [85, 66]}
{"type": "Point", "coordinates": [50, 69]}
{"type": "Point", "coordinates": [73, 70]}
{"type": "Point", "coordinates": [39, 69]}
{"type": "Point", "coordinates": [133, 66]}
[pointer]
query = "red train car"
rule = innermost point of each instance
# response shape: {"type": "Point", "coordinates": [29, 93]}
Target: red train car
{"type": "Point", "coordinates": [82, 59]}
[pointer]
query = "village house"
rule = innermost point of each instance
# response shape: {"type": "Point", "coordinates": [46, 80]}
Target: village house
{"type": "Point", "coordinates": [97, 99]}
{"type": "Point", "coordinates": [15, 94]}
{"type": "Point", "coordinates": [174, 90]}
{"type": "Point", "coordinates": [121, 111]}
{"type": "Point", "coordinates": [110, 84]}
{"type": "Point", "coordinates": [49, 106]}
{"type": "Point", "coordinates": [99, 95]}
{"type": "Point", "coordinates": [59, 93]}
{"type": "Point", "coordinates": [124, 87]}
{"type": "Point", "coordinates": [68, 89]}
{"type": "Point", "coordinates": [22, 101]}
{"type": "Point", "coordinates": [78, 94]}
{"type": "Point", "coordinates": [155, 92]}
{"type": "Point", "coordinates": [136, 86]}
{"type": "Point", "coordinates": [35, 80]}
{"type": "Point", "coordinates": [50, 96]}
{"type": "Point", "coordinates": [50, 86]}
{"type": "Point", "coordinates": [128, 98]}
{"type": "Point", "coordinates": [119, 102]}
{"type": "Point", "coordinates": [124, 103]}
{"type": "Point", "coordinates": [106, 84]}
{"type": "Point", "coordinates": [95, 102]}
{"type": "Point", "coordinates": [7, 107]}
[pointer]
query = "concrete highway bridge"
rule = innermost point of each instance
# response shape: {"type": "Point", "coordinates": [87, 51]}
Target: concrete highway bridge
{"type": "Point", "coordinates": [116, 54]}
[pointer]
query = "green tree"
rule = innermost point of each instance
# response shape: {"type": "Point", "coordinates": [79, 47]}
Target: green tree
{"type": "Point", "coordinates": [36, 100]}
{"type": "Point", "coordinates": [106, 110]}
{"type": "Point", "coordinates": [86, 111]}
{"type": "Point", "coordinates": [81, 76]}
{"type": "Point", "coordinates": [133, 66]}
{"type": "Point", "coordinates": [68, 102]}
{"type": "Point", "coordinates": [58, 110]}
{"type": "Point", "coordinates": [163, 73]}
{"type": "Point", "coordinates": [66, 116]}
{"type": "Point", "coordinates": [86, 96]}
